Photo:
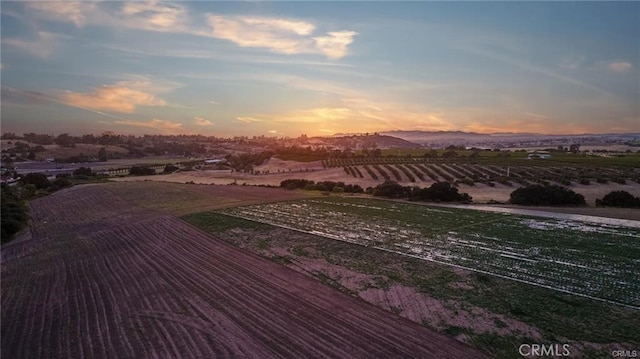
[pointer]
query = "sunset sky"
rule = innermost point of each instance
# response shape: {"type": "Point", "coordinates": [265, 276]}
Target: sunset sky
{"type": "Point", "coordinates": [319, 68]}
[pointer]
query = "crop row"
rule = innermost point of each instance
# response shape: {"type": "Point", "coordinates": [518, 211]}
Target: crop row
{"type": "Point", "coordinates": [472, 173]}
{"type": "Point", "coordinates": [585, 259]}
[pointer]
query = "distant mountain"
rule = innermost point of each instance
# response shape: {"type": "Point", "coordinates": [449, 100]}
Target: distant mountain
{"type": "Point", "coordinates": [369, 141]}
{"type": "Point", "coordinates": [440, 138]}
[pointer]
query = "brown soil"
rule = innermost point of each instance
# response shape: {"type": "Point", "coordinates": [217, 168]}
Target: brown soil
{"type": "Point", "coordinates": [421, 308]}
{"type": "Point", "coordinates": [481, 193]}
{"type": "Point", "coordinates": [379, 290]}
{"type": "Point", "coordinates": [102, 278]}
{"type": "Point", "coordinates": [181, 199]}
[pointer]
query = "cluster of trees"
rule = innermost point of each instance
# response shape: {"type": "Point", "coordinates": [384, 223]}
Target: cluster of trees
{"type": "Point", "coordinates": [137, 146]}
{"type": "Point", "coordinates": [326, 186]}
{"type": "Point", "coordinates": [141, 171]}
{"type": "Point", "coordinates": [619, 199]}
{"type": "Point", "coordinates": [13, 213]}
{"type": "Point", "coordinates": [437, 192]}
{"type": "Point", "coordinates": [303, 154]}
{"type": "Point", "coordinates": [186, 149]}
{"type": "Point", "coordinates": [546, 195]}
{"type": "Point", "coordinates": [22, 151]}
{"type": "Point", "coordinates": [170, 168]}
{"type": "Point", "coordinates": [554, 195]}
{"type": "Point", "coordinates": [246, 161]}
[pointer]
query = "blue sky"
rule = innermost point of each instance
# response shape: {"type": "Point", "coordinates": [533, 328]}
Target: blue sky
{"type": "Point", "coordinates": [319, 68]}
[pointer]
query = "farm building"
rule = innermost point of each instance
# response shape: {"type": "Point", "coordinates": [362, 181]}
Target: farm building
{"type": "Point", "coordinates": [214, 161]}
{"type": "Point", "coordinates": [539, 155]}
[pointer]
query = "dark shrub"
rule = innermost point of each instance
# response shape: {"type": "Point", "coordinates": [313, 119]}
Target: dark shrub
{"type": "Point", "coordinates": [39, 180]}
{"type": "Point", "coordinates": [13, 213]}
{"type": "Point", "coordinates": [391, 189]}
{"type": "Point", "coordinates": [170, 168]}
{"type": "Point", "coordinates": [543, 195]}
{"type": "Point", "coordinates": [141, 171]}
{"type": "Point", "coordinates": [619, 199]}
{"type": "Point", "coordinates": [440, 192]}
{"type": "Point", "coordinates": [62, 182]}
{"type": "Point", "coordinates": [295, 183]}
{"type": "Point", "coordinates": [82, 171]}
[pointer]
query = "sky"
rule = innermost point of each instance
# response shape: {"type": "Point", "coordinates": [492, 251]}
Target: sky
{"type": "Point", "coordinates": [277, 68]}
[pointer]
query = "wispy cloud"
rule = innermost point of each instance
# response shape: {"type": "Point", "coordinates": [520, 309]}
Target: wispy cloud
{"type": "Point", "coordinates": [202, 122]}
{"type": "Point", "coordinates": [248, 119]}
{"type": "Point", "coordinates": [156, 16]}
{"type": "Point", "coordinates": [184, 52]}
{"type": "Point", "coordinates": [620, 66]}
{"type": "Point", "coordinates": [572, 62]}
{"type": "Point", "coordinates": [42, 46]}
{"type": "Point", "coordinates": [39, 97]}
{"type": "Point", "coordinates": [533, 68]}
{"type": "Point", "coordinates": [67, 11]}
{"type": "Point", "coordinates": [278, 35]}
{"type": "Point", "coordinates": [335, 44]}
{"type": "Point", "coordinates": [535, 115]}
{"type": "Point", "coordinates": [285, 36]}
{"type": "Point", "coordinates": [163, 125]}
{"type": "Point", "coordinates": [122, 97]}
{"type": "Point", "coordinates": [276, 24]}
{"type": "Point", "coordinates": [354, 116]}
{"type": "Point", "coordinates": [265, 34]}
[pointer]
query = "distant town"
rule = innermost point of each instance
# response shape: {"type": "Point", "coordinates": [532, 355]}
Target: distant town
{"type": "Point", "coordinates": [108, 145]}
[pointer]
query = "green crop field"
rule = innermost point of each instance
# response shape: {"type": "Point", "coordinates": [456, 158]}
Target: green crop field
{"type": "Point", "coordinates": [596, 260]}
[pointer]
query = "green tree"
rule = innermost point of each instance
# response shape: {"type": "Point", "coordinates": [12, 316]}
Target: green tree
{"type": "Point", "coordinates": [61, 182]}
{"type": "Point", "coordinates": [102, 154]}
{"type": "Point", "coordinates": [391, 189]}
{"type": "Point", "coordinates": [440, 192]}
{"type": "Point", "coordinates": [13, 213]}
{"type": "Point", "coordinates": [39, 180]}
{"type": "Point", "coordinates": [141, 171]}
{"type": "Point", "coordinates": [619, 199]}
{"type": "Point", "coordinates": [65, 140]}
{"type": "Point", "coordinates": [546, 195]}
{"type": "Point", "coordinates": [83, 171]}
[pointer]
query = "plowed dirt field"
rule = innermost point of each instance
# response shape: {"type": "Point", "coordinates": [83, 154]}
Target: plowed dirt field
{"type": "Point", "coordinates": [99, 277]}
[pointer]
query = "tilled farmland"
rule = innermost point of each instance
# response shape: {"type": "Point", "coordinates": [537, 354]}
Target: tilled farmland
{"type": "Point", "coordinates": [99, 278]}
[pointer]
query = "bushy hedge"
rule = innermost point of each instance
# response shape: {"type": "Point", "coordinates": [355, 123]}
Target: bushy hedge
{"type": "Point", "coordinates": [546, 195]}
{"type": "Point", "coordinates": [83, 171]}
{"type": "Point", "coordinates": [391, 189]}
{"type": "Point", "coordinates": [438, 192]}
{"type": "Point", "coordinates": [619, 199]}
{"type": "Point", "coordinates": [327, 186]}
{"type": "Point", "coordinates": [141, 171]}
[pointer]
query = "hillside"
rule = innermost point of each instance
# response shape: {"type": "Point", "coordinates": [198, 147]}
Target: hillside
{"type": "Point", "coordinates": [369, 141]}
{"type": "Point", "coordinates": [497, 139]}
